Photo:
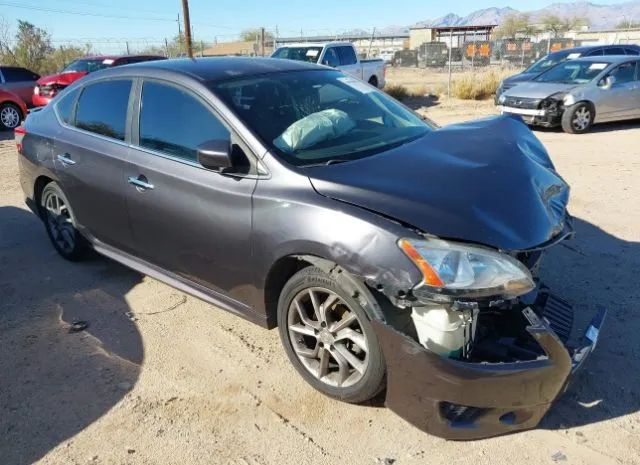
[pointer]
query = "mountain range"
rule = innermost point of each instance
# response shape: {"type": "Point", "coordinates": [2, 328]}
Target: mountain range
{"type": "Point", "coordinates": [599, 16]}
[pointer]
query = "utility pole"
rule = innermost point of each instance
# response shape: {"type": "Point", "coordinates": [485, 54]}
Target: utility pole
{"type": "Point", "coordinates": [166, 47]}
{"type": "Point", "coordinates": [261, 41]}
{"type": "Point", "coordinates": [127, 43]}
{"type": "Point", "coordinates": [373, 33]}
{"type": "Point", "coordinates": [187, 27]}
{"type": "Point", "coordinates": [450, 47]}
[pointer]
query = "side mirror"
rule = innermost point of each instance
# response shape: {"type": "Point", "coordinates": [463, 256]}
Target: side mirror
{"type": "Point", "coordinates": [608, 82]}
{"type": "Point", "coordinates": [215, 155]}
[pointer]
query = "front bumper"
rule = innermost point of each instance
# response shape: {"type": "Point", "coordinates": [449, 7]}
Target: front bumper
{"type": "Point", "coordinates": [461, 400]}
{"type": "Point", "coordinates": [536, 117]}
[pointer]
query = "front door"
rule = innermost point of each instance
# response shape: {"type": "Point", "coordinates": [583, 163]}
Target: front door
{"type": "Point", "coordinates": [186, 219]}
{"type": "Point", "coordinates": [90, 154]}
{"type": "Point", "coordinates": [618, 102]}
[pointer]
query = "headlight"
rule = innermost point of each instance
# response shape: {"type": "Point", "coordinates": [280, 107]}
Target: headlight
{"type": "Point", "coordinates": [502, 98]}
{"type": "Point", "coordinates": [453, 270]}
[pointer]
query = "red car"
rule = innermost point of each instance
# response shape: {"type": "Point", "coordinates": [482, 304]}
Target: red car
{"type": "Point", "coordinates": [48, 87]}
{"type": "Point", "coordinates": [12, 110]}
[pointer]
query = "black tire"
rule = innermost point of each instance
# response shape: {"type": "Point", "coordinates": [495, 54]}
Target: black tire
{"type": "Point", "coordinates": [373, 81]}
{"type": "Point", "coordinates": [8, 109]}
{"type": "Point", "coordinates": [371, 379]}
{"type": "Point", "coordinates": [60, 224]}
{"type": "Point", "coordinates": [578, 118]}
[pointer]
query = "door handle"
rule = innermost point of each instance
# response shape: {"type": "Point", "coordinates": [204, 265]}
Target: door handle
{"type": "Point", "coordinates": [65, 159]}
{"type": "Point", "coordinates": [141, 183]}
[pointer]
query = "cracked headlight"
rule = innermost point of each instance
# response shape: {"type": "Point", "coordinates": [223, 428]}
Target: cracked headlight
{"type": "Point", "coordinates": [455, 270]}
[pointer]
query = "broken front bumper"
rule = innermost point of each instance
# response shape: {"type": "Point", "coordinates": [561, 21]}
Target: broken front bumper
{"type": "Point", "coordinates": [461, 400]}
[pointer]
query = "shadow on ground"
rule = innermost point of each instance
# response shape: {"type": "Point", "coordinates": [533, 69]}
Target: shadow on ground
{"type": "Point", "coordinates": [598, 128]}
{"type": "Point", "coordinates": [54, 383]}
{"type": "Point", "coordinates": [6, 135]}
{"type": "Point", "coordinates": [421, 102]}
{"type": "Point", "coordinates": [594, 269]}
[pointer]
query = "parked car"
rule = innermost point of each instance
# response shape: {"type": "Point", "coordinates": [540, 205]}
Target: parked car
{"type": "Point", "coordinates": [553, 59]}
{"type": "Point", "coordinates": [579, 93]}
{"type": "Point", "coordinates": [386, 250]}
{"type": "Point", "coordinates": [18, 80]}
{"type": "Point", "coordinates": [12, 110]}
{"type": "Point", "coordinates": [339, 55]}
{"type": "Point", "coordinates": [48, 87]}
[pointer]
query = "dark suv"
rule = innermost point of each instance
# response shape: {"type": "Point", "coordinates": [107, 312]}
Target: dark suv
{"type": "Point", "coordinates": [554, 58]}
{"type": "Point", "coordinates": [386, 250]}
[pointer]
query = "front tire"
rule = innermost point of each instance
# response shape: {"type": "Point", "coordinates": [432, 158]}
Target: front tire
{"type": "Point", "coordinates": [578, 118]}
{"type": "Point", "coordinates": [10, 116]}
{"type": "Point", "coordinates": [328, 337]}
{"type": "Point", "coordinates": [59, 222]}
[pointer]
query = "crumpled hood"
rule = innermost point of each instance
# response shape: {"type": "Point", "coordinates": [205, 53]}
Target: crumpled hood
{"type": "Point", "coordinates": [62, 78]}
{"type": "Point", "coordinates": [488, 181]}
{"type": "Point", "coordinates": [537, 89]}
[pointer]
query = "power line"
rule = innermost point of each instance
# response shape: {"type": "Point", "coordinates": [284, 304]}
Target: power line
{"type": "Point", "coordinates": [83, 13]}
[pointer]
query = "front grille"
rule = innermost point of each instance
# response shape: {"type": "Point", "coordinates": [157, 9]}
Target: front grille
{"type": "Point", "coordinates": [522, 102]}
{"type": "Point", "coordinates": [49, 90]}
{"type": "Point", "coordinates": [461, 415]}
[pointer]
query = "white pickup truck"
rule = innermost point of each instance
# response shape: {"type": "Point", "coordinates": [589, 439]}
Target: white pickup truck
{"type": "Point", "coordinates": [340, 55]}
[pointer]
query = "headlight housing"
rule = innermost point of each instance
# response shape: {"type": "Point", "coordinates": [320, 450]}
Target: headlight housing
{"type": "Point", "coordinates": [453, 270]}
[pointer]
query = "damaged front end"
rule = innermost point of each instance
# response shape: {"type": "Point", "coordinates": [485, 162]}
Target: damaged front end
{"type": "Point", "coordinates": [468, 368]}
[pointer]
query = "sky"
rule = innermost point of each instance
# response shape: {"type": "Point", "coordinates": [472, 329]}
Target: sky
{"type": "Point", "coordinates": [152, 20]}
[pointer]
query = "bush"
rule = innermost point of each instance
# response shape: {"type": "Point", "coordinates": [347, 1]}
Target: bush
{"type": "Point", "coordinates": [477, 86]}
{"type": "Point", "coordinates": [397, 91]}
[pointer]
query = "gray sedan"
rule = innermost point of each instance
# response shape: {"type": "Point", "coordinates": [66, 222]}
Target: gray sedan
{"type": "Point", "coordinates": [579, 93]}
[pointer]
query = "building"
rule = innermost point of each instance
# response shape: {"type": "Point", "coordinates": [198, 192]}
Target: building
{"type": "Point", "coordinates": [607, 37]}
{"type": "Point", "coordinates": [239, 48]}
{"type": "Point", "coordinates": [454, 36]}
{"type": "Point", "coordinates": [368, 45]}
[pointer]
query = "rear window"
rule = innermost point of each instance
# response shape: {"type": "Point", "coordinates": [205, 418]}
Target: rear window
{"type": "Point", "coordinates": [102, 108]}
{"type": "Point", "coordinates": [614, 51]}
{"type": "Point", "coordinates": [308, 54]}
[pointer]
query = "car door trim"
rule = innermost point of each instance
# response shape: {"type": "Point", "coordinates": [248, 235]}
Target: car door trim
{"type": "Point", "coordinates": [183, 284]}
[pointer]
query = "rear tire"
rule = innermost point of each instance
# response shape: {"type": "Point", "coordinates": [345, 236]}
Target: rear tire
{"type": "Point", "coordinates": [10, 116]}
{"type": "Point", "coordinates": [578, 118]}
{"type": "Point", "coordinates": [328, 337]}
{"type": "Point", "coordinates": [59, 222]}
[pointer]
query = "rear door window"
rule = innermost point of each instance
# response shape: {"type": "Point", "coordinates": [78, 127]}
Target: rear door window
{"type": "Point", "coordinates": [102, 108]}
{"type": "Point", "coordinates": [614, 51]}
{"type": "Point", "coordinates": [175, 121]}
{"type": "Point", "coordinates": [347, 55]}
{"type": "Point", "coordinates": [631, 51]}
{"type": "Point", "coordinates": [18, 75]}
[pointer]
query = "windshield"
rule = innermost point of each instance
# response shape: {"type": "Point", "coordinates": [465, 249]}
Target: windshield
{"type": "Point", "coordinates": [573, 72]}
{"type": "Point", "coordinates": [87, 65]}
{"type": "Point", "coordinates": [549, 61]}
{"type": "Point", "coordinates": [319, 117]}
{"type": "Point", "coordinates": [308, 54]}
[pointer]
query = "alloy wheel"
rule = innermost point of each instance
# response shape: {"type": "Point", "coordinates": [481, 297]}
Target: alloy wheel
{"type": "Point", "coordinates": [10, 117]}
{"type": "Point", "coordinates": [59, 222]}
{"type": "Point", "coordinates": [327, 337]}
{"type": "Point", "coordinates": [581, 119]}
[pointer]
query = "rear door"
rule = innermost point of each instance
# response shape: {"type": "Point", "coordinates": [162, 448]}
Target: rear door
{"type": "Point", "coordinates": [90, 153]}
{"type": "Point", "coordinates": [21, 81]}
{"type": "Point", "coordinates": [349, 61]}
{"type": "Point", "coordinates": [189, 220]}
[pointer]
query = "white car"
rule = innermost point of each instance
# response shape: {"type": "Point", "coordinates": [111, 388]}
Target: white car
{"type": "Point", "coordinates": [340, 55]}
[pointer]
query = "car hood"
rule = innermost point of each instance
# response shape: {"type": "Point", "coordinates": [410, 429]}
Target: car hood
{"type": "Point", "coordinates": [488, 181]}
{"type": "Point", "coordinates": [538, 89]}
{"type": "Point", "coordinates": [522, 77]}
{"type": "Point", "coordinates": [61, 78]}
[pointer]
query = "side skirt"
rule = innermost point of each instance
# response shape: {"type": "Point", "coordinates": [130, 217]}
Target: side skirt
{"type": "Point", "coordinates": [180, 283]}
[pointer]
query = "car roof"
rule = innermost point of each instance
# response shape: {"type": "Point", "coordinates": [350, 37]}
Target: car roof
{"type": "Point", "coordinates": [609, 58]}
{"type": "Point", "coordinates": [315, 44]}
{"type": "Point", "coordinates": [212, 69]}
{"type": "Point", "coordinates": [588, 48]}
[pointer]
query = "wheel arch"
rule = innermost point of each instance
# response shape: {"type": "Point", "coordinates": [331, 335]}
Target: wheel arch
{"type": "Point", "coordinates": [38, 187]}
{"type": "Point", "coordinates": [285, 267]}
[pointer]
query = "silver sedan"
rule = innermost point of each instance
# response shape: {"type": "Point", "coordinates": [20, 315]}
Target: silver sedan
{"type": "Point", "coordinates": [579, 93]}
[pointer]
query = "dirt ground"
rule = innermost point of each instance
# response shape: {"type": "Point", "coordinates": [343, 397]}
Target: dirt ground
{"type": "Point", "coordinates": [163, 378]}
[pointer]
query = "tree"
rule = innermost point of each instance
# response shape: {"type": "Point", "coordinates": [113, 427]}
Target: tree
{"type": "Point", "coordinates": [32, 46]}
{"type": "Point", "coordinates": [253, 35]}
{"type": "Point", "coordinates": [514, 24]}
{"type": "Point", "coordinates": [558, 26]}
{"type": "Point", "coordinates": [628, 24]}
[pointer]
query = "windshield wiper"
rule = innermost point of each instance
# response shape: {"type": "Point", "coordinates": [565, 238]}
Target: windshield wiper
{"type": "Point", "coordinates": [333, 161]}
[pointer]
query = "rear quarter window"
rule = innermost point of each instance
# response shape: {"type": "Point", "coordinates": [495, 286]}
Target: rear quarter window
{"type": "Point", "coordinates": [66, 105]}
{"type": "Point", "coordinates": [347, 56]}
{"type": "Point", "coordinates": [102, 108]}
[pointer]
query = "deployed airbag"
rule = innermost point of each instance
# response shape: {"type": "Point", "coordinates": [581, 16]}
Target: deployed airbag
{"type": "Point", "coordinates": [313, 129]}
